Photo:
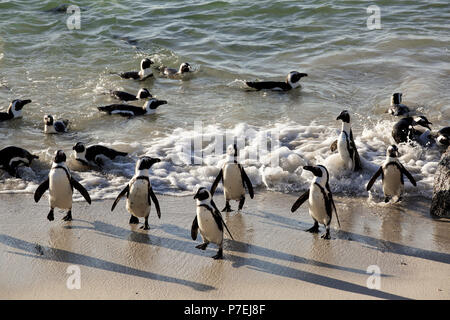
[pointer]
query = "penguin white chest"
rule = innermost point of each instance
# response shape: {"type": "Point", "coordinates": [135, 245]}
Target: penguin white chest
{"type": "Point", "coordinates": [232, 182]}
{"type": "Point", "coordinates": [60, 189]}
{"type": "Point", "coordinates": [342, 147]}
{"type": "Point", "coordinates": [137, 202]}
{"type": "Point", "coordinates": [49, 129]}
{"type": "Point", "coordinates": [392, 185]}
{"type": "Point", "coordinates": [208, 227]}
{"type": "Point", "coordinates": [317, 208]}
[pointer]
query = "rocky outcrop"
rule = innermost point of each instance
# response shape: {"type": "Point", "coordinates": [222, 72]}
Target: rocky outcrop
{"type": "Point", "coordinates": [440, 204]}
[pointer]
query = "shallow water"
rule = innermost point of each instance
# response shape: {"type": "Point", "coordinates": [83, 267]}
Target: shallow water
{"type": "Point", "coordinates": [65, 72]}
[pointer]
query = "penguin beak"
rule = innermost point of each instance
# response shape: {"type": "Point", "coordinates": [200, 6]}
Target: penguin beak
{"type": "Point", "coordinates": [309, 168]}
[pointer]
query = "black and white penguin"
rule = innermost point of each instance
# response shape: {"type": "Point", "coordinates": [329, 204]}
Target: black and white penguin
{"type": "Point", "coordinates": [443, 137]}
{"type": "Point", "coordinates": [234, 180]}
{"type": "Point", "coordinates": [125, 96]}
{"type": "Point", "coordinates": [13, 157]}
{"type": "Point", "coordinates": [128, 110]}
{"type": "Point", "coordinates": [209, 221]}
{"type": "Point", "coordinates": [52, 126]}
{"type": "Point", "coordinates": [143, 74]}
{"type": "Point", "coordinates": [94, 154]}
{"type": "Point", "coordinates": [171, 72]}
{"type": "Point", "coordinates": [139, 193]}
{"type": "Point", "coordinates": [321, 203]}
{"type": "Point", "coordinates": [60, 184]}
{"type": "Point", "coordinates": [391, 172]}
{"type": "Point", "coordinates": [405, 129]}
{"type": "Point", "coordinates": [397, 108]}
{"type": "Point", "coordinates": [292, 82]}
{"type": "Point", "coordinates": [346, 145]}
{"type": "Point", "coordinates": [14, 110]}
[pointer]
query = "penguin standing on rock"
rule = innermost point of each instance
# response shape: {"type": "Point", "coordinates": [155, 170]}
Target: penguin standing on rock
{"type": "Point", "coordinates": [392, 172]}
{"type": "Point", "coordinates": [52, 126]}
{"type": "Point", "coordinates": [292, 82]}
{"type": "Point", "coordinates": [94, 154]}
{"type": "Point", "coordinates": [234, 180]}
{"type": "Point", "coordinates": [209, 221]}
{"type": "Point", "coordinates": [60, 184]}
{"type": "Point", "coordinates": [321, 203]}
{"type": "Point", "coordinates": [139, 193]}
{"type": "Point", "coordinates": [13, 157]}
{"type": "Point", "coordinates": [14, 110]}
{"type": "Point", "coordinates": [346, 145]}
{"type": "Point", "coordinates": [144, 73]}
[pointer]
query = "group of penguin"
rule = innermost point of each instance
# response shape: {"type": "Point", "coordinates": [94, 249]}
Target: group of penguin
{"type": "Point", "coordinates": [208, 220]}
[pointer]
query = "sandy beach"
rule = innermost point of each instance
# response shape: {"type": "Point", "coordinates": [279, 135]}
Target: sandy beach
{"type": "Point", "coordinates": [271, 257]}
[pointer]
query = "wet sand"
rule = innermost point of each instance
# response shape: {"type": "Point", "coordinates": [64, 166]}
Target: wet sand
{"type": "Point", "coordinates": [271, 258]}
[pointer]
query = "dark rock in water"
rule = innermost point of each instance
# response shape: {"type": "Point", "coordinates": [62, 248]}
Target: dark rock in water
{"type": "Point", "coordinates": [62, 8]}
{"type": "Point", "coordinates": [440, 204]}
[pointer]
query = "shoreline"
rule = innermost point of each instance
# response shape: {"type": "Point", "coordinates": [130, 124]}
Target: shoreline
{"type": "Point", "coordinates": [271, 257]}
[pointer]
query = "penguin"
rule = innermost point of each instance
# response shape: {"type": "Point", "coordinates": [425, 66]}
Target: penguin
{"type": "Point", "coordinates": [234, 180]}
{"type": "Point", "coordinates": [404, 128]}
{"type": "Point", "coordinates": [170, 72]}
{"type": "Point", "coordinates": [144, 73]}
{"type": "Point", "coordinates": [127, 110]}
{"type": "Point", "coordinates": [346, 145]}
{"type": "Point", "coordinates": [292, 82]}
{"type": "Point", "coordinates": [13, 157]}
{"type": "Point", "coordinates": [52, 126]}
{"type": "Point", "coordinates": [320, 198]}
{"type": "Point", "coordinates": [94, 154]}
{"type": "Point", "coordinates": [209, 220]}
{"type": "Point", "coordinates": [14, 110]}
{"type": "Point", "coordinates": [125, 96]}
{"type": "Point", "coordinates": [397, 108]}
{"type": "Point", "coordinates": [60, 184]}
{"type": "Point", "coordinates": [443, 137]}
{"type": "Point", "coordinates": [392, 172]}
{"type": "Point", "coordinates": [139, 193]}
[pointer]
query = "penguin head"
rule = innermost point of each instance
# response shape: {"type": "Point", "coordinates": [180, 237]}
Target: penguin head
{"type": "Point", "coordinates": [422, 121]}
{"type": "Point", "coordinates": [145, 163]}
{"type": "Point", "coordinates": [143, 93]}
{"type": "Point", "coordinates": [396, 98]}
{"type": "Point", "coordinates": [344, 116]}
{"type": "Point", "coordinates": [320, 172]}
{"type": "Point", "coordinates": [294, 77]}
{"type": "Point", "coordinates": [79, 147]}
{"type": "Point", "coordinates": [16, 105]}
{"type": "Point", "coordinates": [232, 150]}
{"type": "Point", "coordinates": [146, 63]}
{"type": "Point", "coordinates": [185, 67]}
{"type": "Point", "coordinates": [48, 119]}
{"type": "Point", "coordinates": [60, 157]}
{"type": "Point", "coordinates": [202, 194]}
{"type": "Point", "coordinates": [392, 151]}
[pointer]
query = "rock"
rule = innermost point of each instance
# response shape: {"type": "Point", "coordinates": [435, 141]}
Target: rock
{"type": "Point", "coordinates": [440, 204]}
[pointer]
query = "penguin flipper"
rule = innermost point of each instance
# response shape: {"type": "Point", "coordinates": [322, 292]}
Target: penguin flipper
{"type": "Point", "coordinates": [374, 178]}
{"type": "Point", "coordinates": [247, 182]}
{"type": "Point", "coordinates": [407, 174]}
{"type": "Point", "coordinates": [216, 182]}
{"type": "Point", "coordinates": [152, 195]}
{"type": "Point", "coordinates": [219, 220]}
{"type": "Point", "coordinates": [300, 201]}
{"type": "Point", "coordinates": [41, 190]}
{"type": "Point", "coordinates": [81, 190]}
{"type": "Point", "coordinates": [334, 208]}
{"type": "Point", "coordinates": [194, 229]}
{"type": "Point", "coordinates": [333, 146]}
{"type": "Point", "coordinates": [126, 191]}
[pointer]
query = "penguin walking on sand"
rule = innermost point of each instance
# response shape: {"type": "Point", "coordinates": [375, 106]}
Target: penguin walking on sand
{"type": "Point", "coordinates": [321, 203]}
{"type": "Point", "coordinates": [292, 82]}
{"type": "Point", "coordinates": [94, 154]}
{"type": "Point", "coordinates": [125, 96]}
{"type": "Point", "coordinates": [234, 180]}
{"type": "Point", "coordinates": [397, 108]}
{"type": "Point", "coordinates": [127, 110]}
{"type": "Point", "coordinates": [14, 110]}
{"type": "Point", "coordinates": [346, 145]}
{"type": "Point", "coordinates": [52, 126]}
{"type": "Point", "coordinates": [392, 172]}
{"type": "Point", "coordinates": [144, 73]}
{"type": "Point", "coordinates": [139, 193]}
{"type": "Point", "coordinates": [13, 157]}
{"type": "Point", "coordinates": [60, 184]}
{"type": "Point", "coordinates": [209, 221]}
{"type": "Point", "coordinates": [406, 129]}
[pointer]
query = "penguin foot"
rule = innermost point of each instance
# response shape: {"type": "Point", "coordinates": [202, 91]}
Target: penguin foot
{"type": "Point", "coordinates": [227, 209]}
{"type": "Point", "coordinates": [326, 235]}
{"type": "Point", "coordinates": [134, 220]}
{"type": "Point", "coordinates": [386, 199]}
{"type": "Point", "coordinates": [219, 255]}
{"type": "Point", "coordinates": [145, 227]}
{"type": "Point", "coordinates": [399, 199]}
{"type": "Point", "coordinates": [202, 246]}
{"type": "Point", "coordinates": [313, 229]}
{"type": "Point", "coordinates": [68, 216]}
{"type": "Point", "coordinates": [50, 216]}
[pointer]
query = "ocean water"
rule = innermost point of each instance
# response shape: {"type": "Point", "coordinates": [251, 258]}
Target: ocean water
{"type": "Point", "coordinates": [67, 72]}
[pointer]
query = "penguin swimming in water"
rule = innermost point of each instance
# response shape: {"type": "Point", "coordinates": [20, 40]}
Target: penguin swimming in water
{"type": "Point", "coordinates": [234, 180]}
{"type": "Point", "coordinates": [404, 128]}
{"type": "Point", "coordinates": [52, 126]}
{"type": "Point", "coordinates": [60, 184]}
{"type": "Point", "coordinates": [170, 72]}
{"type": "Point", "coordinates": [13, 157]}
{"type": "Point", "coordinates": [94, 154]}
{"type": "Point", "coordinates": [127, 110]}
{"type": "Point", "coordinates": [292, 82]}
{"type": "Point", "coordinates": [143, 74]}
{"type": "Point", "coordinates": [209, 221]}
{"type": "Point", "coordinates": [139, 193]}
{"type": "Point", "coordinates": [14, 110]}
{"type": "Point", "coordinates": [397, 108]}
{"type": "Point", "coordinates": [443, 137]}
{"type": "Point", "coordinates": [346, 145]}
{"type": "Point", "coordinates": [125, 96]}
{"type": "Point", "coordinates": [320, 198]}
{"type": "Point", "coordinates": [392, 172]}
